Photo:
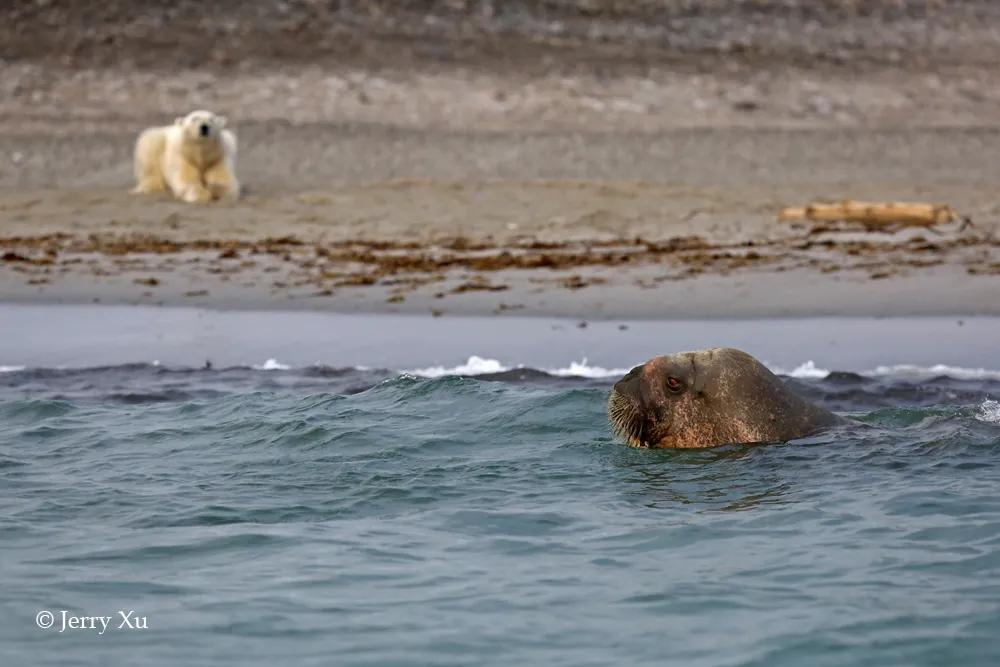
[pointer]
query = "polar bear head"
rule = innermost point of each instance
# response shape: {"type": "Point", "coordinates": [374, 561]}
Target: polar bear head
{"type": "Point", "coordinates": [201, 125]}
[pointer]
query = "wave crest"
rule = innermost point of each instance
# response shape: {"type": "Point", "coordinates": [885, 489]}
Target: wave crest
{"type": "Point", "coordinates": [476, 365]}
{"type": "Point", "coordinates": [989, 412]}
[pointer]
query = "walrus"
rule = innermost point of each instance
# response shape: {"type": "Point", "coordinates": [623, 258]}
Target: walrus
{"type": "Point", "coordinates": [708, 398]}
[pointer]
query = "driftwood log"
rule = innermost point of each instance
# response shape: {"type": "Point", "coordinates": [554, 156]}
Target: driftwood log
{"type": "Point", "coordinates": [873, 215]}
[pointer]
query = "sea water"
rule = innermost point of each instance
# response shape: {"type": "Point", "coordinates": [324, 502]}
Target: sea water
{"type": "Point", "coordinates": [479, 512]}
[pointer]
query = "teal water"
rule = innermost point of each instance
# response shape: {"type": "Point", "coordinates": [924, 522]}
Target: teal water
{"type": "Point", "coordinates": [320, 516]}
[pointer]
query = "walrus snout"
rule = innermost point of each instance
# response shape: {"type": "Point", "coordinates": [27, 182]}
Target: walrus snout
{"type": "Point", "coordinates": [629, 384]}
{"type": "Point", "coordinates": [624, 409]}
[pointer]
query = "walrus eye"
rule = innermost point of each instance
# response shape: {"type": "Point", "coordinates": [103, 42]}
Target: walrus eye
{"type": "Point", "coordinates": [673, 384]}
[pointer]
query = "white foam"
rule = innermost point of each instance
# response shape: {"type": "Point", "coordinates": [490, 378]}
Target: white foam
{"type": "Point", "coordinates": [474, 366]}
{"type": "Point", "coordinates": [584, 370]}
{"type": "Point", "coordinates": [272, 365]}
{"type": "Point", "coordinates": [989, 412]}
{"type": "Point", "coordinates": [807, 370]}
{"type": "Point", "coordinates": [11, 369]}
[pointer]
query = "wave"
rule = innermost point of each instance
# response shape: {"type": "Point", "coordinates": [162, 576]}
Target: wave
{"type": "Point", "coordinates": [271, 365]}
{"type": "Point", "coordinates": [487, 366]}
{"type": "Point", "coordinates": [809, 370]}
{"type": "Point", "coordinates": [938, 370]}
{"type": "Point", "coordinates": [476, 365]}
{"type": "Point", "coordinates": [989, 412]}
{"type": "Point", "coordinates": [581, 369]}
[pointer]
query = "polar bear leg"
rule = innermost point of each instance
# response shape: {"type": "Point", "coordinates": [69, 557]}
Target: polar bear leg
{"type": "Point", "coordinates": [148, 162]}
{"type": "Point", "coordinates": [185, 182]}
{"type": "Point", "coordinates": [221, 181]}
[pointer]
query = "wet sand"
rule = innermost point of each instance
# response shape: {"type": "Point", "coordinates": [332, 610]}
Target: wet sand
{"type": "Point", "coordinates": [644, 183]}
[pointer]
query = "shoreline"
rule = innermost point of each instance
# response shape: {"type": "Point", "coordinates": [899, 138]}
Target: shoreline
{"type": "Point", "coordinates": [741, 297]}
{"type": "Point", "coordinates": [594, 249]}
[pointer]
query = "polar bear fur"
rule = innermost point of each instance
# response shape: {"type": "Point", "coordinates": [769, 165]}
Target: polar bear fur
{"type": "Point", "coordinates": [194, 158]}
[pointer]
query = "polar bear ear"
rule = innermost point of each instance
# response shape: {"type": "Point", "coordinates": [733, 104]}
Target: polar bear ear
{"type": "Point", "coordinates": [179, 120]}
{"type": "Point", "coordinates": [220, 121]}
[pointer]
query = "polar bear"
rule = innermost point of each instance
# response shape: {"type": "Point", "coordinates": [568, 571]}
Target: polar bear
{"type": "Point", "coordinates": [194, 158]}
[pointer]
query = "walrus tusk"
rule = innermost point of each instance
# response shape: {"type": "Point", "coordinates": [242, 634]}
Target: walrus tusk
{"type": "Point", "coordinates": [873, 214]}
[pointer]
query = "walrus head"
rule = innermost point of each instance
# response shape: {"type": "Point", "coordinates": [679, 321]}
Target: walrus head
{"type": "Point", "coordinates": [708, 398]}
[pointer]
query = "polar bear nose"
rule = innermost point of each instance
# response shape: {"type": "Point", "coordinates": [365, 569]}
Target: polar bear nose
{"type": "Point", "coordinates": [205, 129]}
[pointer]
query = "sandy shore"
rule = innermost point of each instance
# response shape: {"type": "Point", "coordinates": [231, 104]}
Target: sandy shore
{"type": "Point", "coordinates": [642, 184]}
{"type": "Point", "coordinates": [701, 242]}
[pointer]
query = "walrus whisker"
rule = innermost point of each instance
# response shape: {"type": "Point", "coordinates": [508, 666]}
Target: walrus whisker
{"type": "Point", "coordinates": [626, 422]}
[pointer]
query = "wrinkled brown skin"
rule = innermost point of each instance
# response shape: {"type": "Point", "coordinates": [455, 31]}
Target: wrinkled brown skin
{"type": "Point", "coordinates": [726, 397]}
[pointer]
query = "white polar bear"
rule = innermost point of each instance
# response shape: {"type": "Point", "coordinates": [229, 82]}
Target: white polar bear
{"type": "Point", "coordinates": [194, 158]}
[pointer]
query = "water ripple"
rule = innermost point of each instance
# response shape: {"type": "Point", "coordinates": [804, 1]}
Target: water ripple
{"type": "Point", "coordinates": [364, 518]}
